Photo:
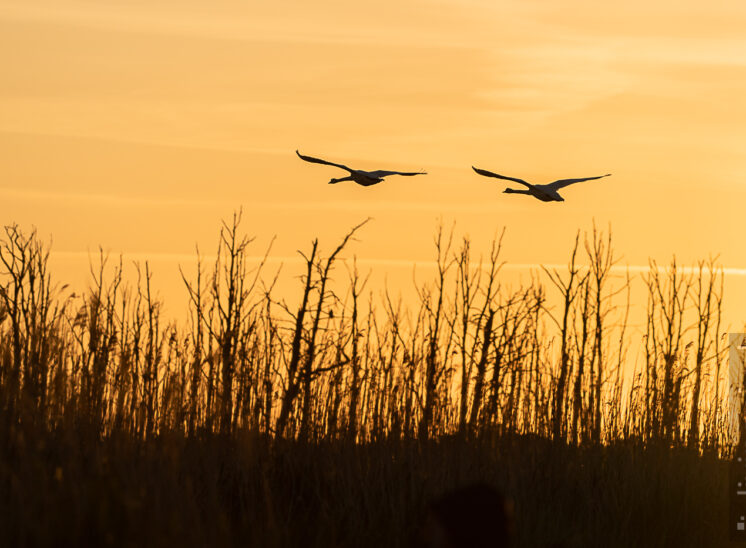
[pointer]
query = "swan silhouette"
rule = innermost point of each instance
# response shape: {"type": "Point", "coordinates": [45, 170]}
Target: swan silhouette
{"type": "Point", "coordinates": [364, 178]}
{"type": "Point", "coordinates": [545, 193]}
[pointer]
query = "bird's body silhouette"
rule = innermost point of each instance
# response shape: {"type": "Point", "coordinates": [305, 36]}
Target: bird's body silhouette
{"type": "Point", "coordinates": [545, 193]}
{"type": "Point", "coordinates": [364, 178]}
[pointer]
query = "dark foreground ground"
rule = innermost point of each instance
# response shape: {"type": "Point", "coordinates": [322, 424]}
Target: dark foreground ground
{"type": "Point", "coordinates": [66, 490]}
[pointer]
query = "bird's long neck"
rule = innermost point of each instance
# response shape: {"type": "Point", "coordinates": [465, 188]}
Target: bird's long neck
{"type": "Point", "coordinates": [514, 191]}
{"type": "Point", "coordinates": [335, 181]}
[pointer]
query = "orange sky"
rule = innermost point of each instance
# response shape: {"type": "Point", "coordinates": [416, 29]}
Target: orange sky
{"type": "Point", "coordinates": [139, 127]}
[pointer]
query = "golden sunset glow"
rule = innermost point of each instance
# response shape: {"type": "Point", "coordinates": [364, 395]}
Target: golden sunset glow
{"type": "Point", "coordinates": [331, 273]}
{"type": "Point", "coordinates": [138, 126]}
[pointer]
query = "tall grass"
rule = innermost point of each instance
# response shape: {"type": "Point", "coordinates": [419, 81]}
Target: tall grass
{"type": "Point", "coordinates": [469, 364]}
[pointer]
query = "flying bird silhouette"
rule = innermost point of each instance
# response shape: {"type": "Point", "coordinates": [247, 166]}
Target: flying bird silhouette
{"type": "Point", "coordinates": [365, 178]}
{"type": "Point", "coordinates": [545, 193]}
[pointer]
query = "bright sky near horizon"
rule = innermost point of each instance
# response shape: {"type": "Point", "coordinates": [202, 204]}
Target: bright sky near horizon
{"type": "Point", "coordinates": [139, 125]}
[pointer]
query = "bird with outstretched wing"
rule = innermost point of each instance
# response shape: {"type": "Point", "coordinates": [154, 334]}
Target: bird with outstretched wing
{"type": "Point", "coordinates": [364, 178]}
{"type": "Point", "coordinates": [545, 193]}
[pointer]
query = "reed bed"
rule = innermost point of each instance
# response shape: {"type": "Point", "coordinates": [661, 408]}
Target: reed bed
{"type": "Point", "coordinates": [329, 419]}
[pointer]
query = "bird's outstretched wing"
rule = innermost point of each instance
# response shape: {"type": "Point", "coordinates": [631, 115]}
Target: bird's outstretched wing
{"type": "Point", "coordinates": [384, 173]}
{"type": "Point", "coordinates": [319, 161]}
{"type": "Point", "coordinates": [490, 174]}
{"type": "Point", "coordinates": [562, 183]}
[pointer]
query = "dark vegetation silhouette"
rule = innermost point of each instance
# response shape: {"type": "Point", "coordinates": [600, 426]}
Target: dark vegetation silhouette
{"type": "Point", "coordinates": [475, 515]}
{"type": "Point", "coordinates": [333, 419]}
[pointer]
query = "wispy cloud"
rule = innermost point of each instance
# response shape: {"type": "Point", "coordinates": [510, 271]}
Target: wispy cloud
{"type": "Point", "coordinates": [119, 200]}
{"type": "Point", "coordinates": [113, 200]}
{"type": "Point", "coordinates": [381, 262]}
{"type": "Point", "coordinates": [401, 23]}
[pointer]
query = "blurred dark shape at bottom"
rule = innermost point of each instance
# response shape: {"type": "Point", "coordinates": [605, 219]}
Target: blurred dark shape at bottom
{"type": "Point", "coordinates": [473, 516]}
